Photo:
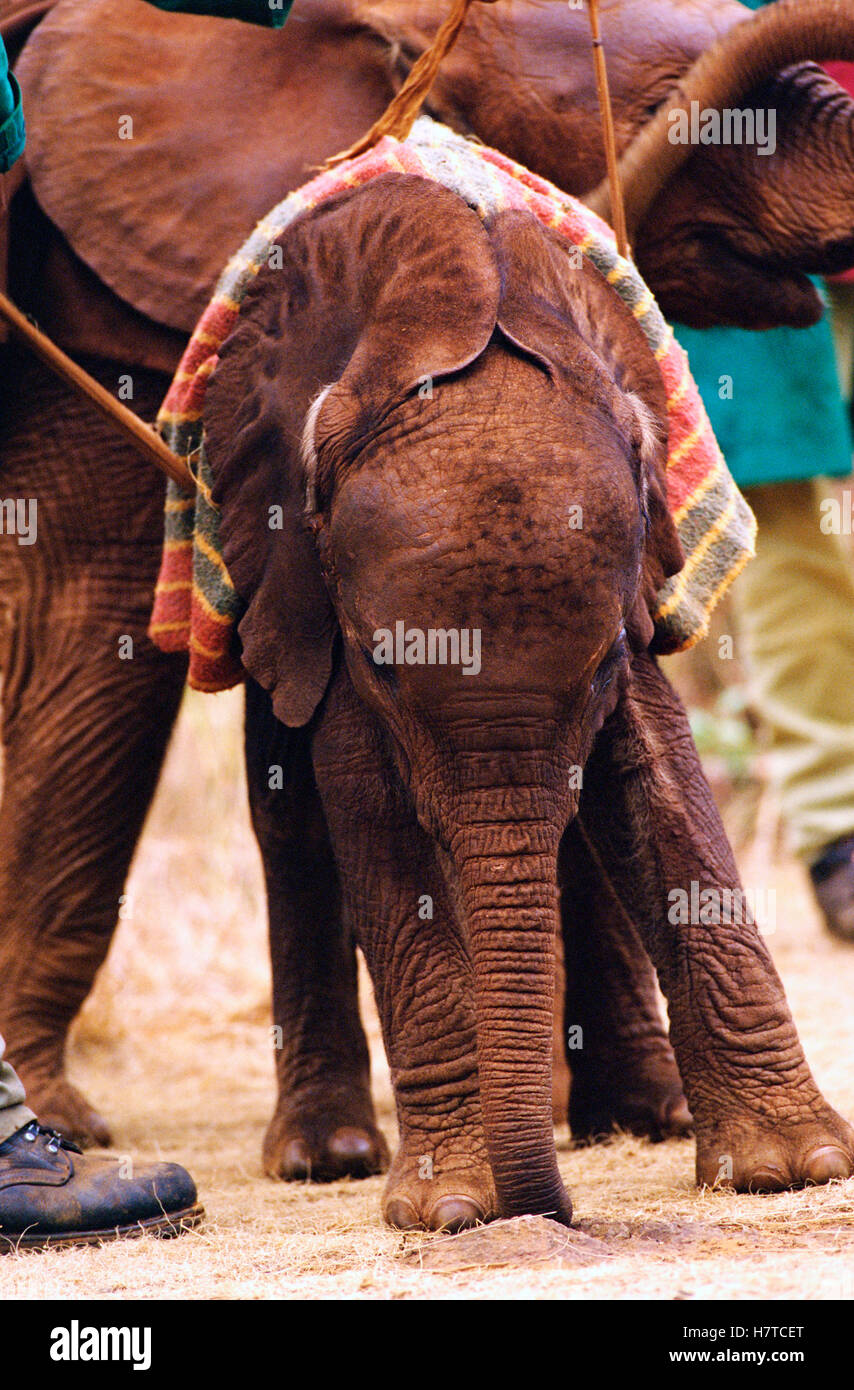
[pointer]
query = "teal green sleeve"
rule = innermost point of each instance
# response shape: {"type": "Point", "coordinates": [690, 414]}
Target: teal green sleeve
{"type": "Point", "coordinates": [773, 399]}
{"type": "Point", "coordinates": [272, 12]}
{"type": "Point", "coordinates": [12, 134]}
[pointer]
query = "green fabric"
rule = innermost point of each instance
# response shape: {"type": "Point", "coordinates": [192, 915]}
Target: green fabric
{"type": "Point", "coordinates": [7, 96]}
{"type": "Point", "coordinates": [273, 12]}
{"type": "Point", "coordinates": [12, 133]}
{"type": "Point", "coordinates": [786, 420]}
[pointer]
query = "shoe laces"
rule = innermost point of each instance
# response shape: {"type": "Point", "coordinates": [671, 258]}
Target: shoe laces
{"type": "Point", "coordinates": [55, 1141]}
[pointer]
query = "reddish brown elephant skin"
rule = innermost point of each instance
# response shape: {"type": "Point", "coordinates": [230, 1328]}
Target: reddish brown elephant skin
{"type": "Point", "coordinates": [448, 510]}
{"type": "Point", "coordinates": [128, 228]}
{"type": "Point", "coordinates": [154, 215]}
{"type": "Point", "coordinates": [75, 717]}
{"type": "Point", "coordinates": [623, 1071]}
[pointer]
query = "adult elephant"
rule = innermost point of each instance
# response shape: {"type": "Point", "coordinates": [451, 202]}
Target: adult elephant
{"type": "Point", "coordinates": [132, 211]}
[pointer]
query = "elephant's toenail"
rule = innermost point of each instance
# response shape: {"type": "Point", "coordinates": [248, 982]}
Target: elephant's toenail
{"type": "Point", "coordinates": [454, 1214]}
{"type": "Point", "coordinates": [351, 1143]}
{"type": "Point", "coordinates": [401, 1213]}
{"type": "Point", "coordinates": [768, 1179]}
{"type": "Point", "coordinates": [826, 1163]}
{"type": "Point", "coordinates": [296, 1160]}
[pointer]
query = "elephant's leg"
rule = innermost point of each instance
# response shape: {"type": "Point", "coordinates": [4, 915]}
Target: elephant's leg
{"type": "Point", "coordinates": [760, 1119]}
{"type": "Point", "coordinates": [324, 1125]}
{"type": "Point", "coordinates": [624, 1074]}
{"type": "Point", "coordinates": [85, 719]}
{"type": "Point", "coordinates": [396, 896]}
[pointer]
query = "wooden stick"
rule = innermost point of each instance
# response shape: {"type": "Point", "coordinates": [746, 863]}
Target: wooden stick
{"type": "Point", "coordinates": [618, 212]}
{"type": "Point", "coordinates": [143, 439]}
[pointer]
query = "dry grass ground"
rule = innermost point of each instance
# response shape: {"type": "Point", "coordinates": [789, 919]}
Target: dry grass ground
{"type": "Point", "coordinates": [174, 1047]}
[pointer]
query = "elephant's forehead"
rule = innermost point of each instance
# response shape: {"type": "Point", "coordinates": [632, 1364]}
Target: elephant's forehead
{"type": "Point", "coordinates": [503, 440]}
{"type": "Point", "coordinates": [501, 528]}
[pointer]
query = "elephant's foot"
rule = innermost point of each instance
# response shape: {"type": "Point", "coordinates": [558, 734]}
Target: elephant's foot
{"type": "Point", "coordinates": [311, 1141]}
{"type": "Point", "coordinates": [751, 1153]}
{"type": "Point", "coordinates": [59, 1105]}
{"type": "Point", "coordinates": [449, 1190]}
{"type": "Point", "coordinates": [639, 1094]}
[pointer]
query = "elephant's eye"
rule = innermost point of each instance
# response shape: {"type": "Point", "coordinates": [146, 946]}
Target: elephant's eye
{"type": "Point", "coordinates": [665, 84]}
{"type": "Point", "coordinates": [611, 662]}
{"type": "Point", "coordinates": [382, 670]}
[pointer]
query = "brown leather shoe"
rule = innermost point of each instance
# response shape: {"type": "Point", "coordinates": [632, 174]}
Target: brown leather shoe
{"type": "Point", "coordinates": [833, 883]}
{"type": "Point", "coordinates": [51, 1194]}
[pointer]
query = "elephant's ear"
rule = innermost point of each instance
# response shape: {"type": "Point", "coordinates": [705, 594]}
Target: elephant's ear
{"type": "Point", "coordinates": [550, 297]}
{"type": "Point", "coordinates": [373, 291]}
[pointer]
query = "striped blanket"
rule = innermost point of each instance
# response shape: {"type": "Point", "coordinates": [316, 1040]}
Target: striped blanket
{"type": "Point", "coordinates": [196, 607]}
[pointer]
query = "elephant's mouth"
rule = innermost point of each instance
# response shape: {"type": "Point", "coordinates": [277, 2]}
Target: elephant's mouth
{"type": "Point", "coordinates": [708, 280]}
{"type": "Point", "coordinates": [770, 293]}
{"type": "Point", "coordinates": [835, 257]}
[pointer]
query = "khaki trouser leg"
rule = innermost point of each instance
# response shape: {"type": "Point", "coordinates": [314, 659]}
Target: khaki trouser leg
{"type": "Point", "coordinates": [13, 1112]}
{"type": "Point", "coordinates": [842, 319]}
{"type": "Point", "coordinates": [795, 609]}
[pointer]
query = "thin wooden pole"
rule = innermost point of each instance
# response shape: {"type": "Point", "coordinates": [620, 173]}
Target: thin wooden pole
{"type": "Point", "coordinates": [143, 439]}
{"type": "Point", "coordinates": [618, 212]}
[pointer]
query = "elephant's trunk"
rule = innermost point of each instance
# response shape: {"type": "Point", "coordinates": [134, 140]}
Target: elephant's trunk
{"type": "Point", "coordinates": [507, 877]}
{"type": "Point", "coordinates": [788, 32]}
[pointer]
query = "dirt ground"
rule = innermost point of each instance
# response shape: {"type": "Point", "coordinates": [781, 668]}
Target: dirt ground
{"type": "Point", "coordinates": [174, 1047]}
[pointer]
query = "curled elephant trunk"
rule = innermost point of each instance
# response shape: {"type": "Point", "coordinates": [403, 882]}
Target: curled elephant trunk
{"type": "Point", "coordinates": [791, 31]}
{"type": "Point", "coordinates": [507, 875]}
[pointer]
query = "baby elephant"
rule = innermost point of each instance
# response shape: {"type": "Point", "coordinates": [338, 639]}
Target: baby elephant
{"type": "Point", "coordinates": [465, 434]}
